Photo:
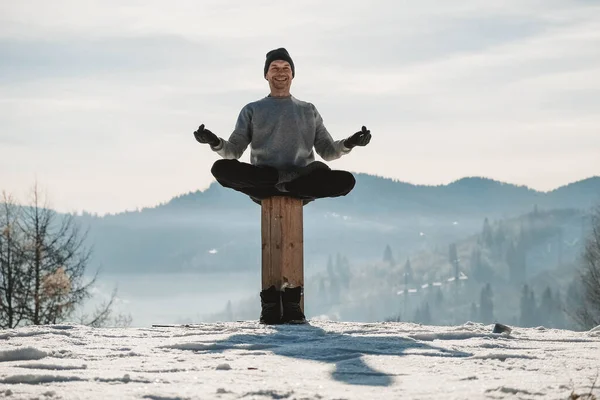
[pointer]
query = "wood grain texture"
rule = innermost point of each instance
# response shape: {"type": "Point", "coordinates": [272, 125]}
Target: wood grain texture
{"type": "Point", "coordinates": [282, 242]}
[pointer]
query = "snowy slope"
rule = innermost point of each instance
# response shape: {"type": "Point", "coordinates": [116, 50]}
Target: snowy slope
{"type": "Point", "coordinates": [324, 360]}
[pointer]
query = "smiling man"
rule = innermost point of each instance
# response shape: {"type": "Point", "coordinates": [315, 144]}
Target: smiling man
{"type": "Point", "coordinates": [282, 132]}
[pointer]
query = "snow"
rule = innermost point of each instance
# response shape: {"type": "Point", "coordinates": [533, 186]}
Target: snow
{"type": "Point", "coordinates": [322, 360]}
{"type": "Point", "coordinates": [28, 353]}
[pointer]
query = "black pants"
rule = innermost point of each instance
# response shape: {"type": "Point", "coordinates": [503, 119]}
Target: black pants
{"type": "Point", "coordinates": [314, 181]}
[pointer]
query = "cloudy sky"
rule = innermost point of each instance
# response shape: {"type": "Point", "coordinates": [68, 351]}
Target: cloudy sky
{"type": "Point", "coordinates": [99, 99]}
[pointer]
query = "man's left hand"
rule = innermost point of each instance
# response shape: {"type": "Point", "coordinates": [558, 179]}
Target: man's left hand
{"type": "Point", "coordinates": [361, 138]}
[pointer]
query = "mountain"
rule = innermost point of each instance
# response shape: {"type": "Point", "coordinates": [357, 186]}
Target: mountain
{"type": "Point", "coordinates": [219, 229]}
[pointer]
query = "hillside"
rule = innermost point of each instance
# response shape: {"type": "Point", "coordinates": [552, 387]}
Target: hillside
{"type": "Point", "coordinates": [540, 249]}
{"type": "Point", "coordinates": [219, 229]}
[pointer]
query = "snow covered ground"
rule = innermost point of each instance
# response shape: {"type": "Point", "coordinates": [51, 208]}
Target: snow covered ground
{"type": "Point", "coordinates": [323, 360]}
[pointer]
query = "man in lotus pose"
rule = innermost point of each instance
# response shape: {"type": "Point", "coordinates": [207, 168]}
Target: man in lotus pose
{"type": "Point", "coordinates": [282, 132]}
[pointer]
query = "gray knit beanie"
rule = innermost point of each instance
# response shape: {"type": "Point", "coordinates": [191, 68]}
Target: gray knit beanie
{"type": "Point", "coordinates": [279, 54]}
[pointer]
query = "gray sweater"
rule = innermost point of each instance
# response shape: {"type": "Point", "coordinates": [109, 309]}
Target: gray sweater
{"type": "Point", "coordinates": [281, 132]}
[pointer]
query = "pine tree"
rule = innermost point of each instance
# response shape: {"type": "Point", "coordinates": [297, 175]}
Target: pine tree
{"type": "Point", "coordinates": [408, 272]}
{"type": "Point", "coordinates": [388, 257]}
{"type": "Point", "coordinates": [525, 318]}
{"type": "Point", "coordinates": [499, 240]}
{"type": "Point", "coordinates": [532, 307]}
{"type": "Point", "coordinates": [418, 316]}
{"type": "Point", "coordinates": [516, 260]}
{"type": "Point", "coordinates": [559, 312]}
{"type": "Point", "coordinates": [511, 262]}
{"type": "Point", "coordinates": [528, 307]}
{"type": "Point", "coordinates": [453, 255]}
{"type": "Point", "coordinates": [486, 234]}
{"type": "Point", "coordinates": [521, 260]}
{"type": "Point", "coordinates": [547, 308]}
{"type": "Point", "coordinates": [334, 283]}
{"type": "Point", "coordinates": [486, 305]}
{"type": "Point", "coordinates": [480, 271]}
{"type": "Point", "coordinates": [343, 270]}
{"type": "Point", "coordinates": [330, 270]}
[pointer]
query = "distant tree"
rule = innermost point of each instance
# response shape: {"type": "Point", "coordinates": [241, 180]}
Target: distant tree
{"type": "Point", "coordinates": [42, 264]}
{"type": "Point", "coordinates": [511, 262]}
{"type": "Point", "coordinates": [500, 238]}
{"type": "Point", "coordinates": [486, 305]}
{"type": "Point", "coordinates": [339, 263]}
{"type": "Point", "coordinates": [533, 305]}
{"type": "Point", "coordinates": [408, 273]}
{"type": "Point", "coordinates": [453, 255]}
{"type": "Point", "coordinates": [342, 267]}
{"type": "Point", "coordinates": [334, 283]}
{"type": "Point", "coordinates": [528, 307]}
{"type": "Point", "coordinates": [486, 234]}
{"type": "Point", "coordinates": [516, 260]}
{"type": "Point", "coordinates": [476, 264]}
{"type": "Point", "coordinates": [388, 257]}
{"type": "Point", "coordinates": [480, 271]}
{"type": "Point", "coordinates": [550, 312]}
{"type": "Point", "coordinates": [574, 301]}
{"type": "Point", "coordinates": [558, 320]}
{"type": "Point", "coordinates": [525, 234]}
{"type": "Point", "coordinates": [14, 287]}
{"type": "Point", "coordinates": [56, 259]}
{"type": "Point", "coordinates": [395, 318]}
{"type": "Point", "coordinates": [418, 315]}
{"type": "Point", "coordinates": [103, 315]}
{"type": "Point", "coordinates": [587, 313]}
{"type": "Point", "coordinates": [547, 308]}
{"type": "Point", "coordinates": [330, 270]}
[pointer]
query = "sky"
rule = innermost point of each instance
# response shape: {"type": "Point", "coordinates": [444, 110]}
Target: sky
{"type": "Point", "coordinates": [324, 360]}
{"type": "Point", "coordinates": [99, 99]}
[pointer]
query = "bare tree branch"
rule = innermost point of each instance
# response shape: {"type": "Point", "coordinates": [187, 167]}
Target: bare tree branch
{"type": "Point", "coordinates": [587, 315]}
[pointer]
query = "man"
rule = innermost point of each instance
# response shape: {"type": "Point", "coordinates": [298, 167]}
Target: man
{"type": "Point", "coordinates": [281, 131]}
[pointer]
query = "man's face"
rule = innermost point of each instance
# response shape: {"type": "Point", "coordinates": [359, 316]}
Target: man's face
{"type": "Point", "coordinates": [279, 75]}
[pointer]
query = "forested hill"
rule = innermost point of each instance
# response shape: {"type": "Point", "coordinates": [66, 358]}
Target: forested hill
{"type": "Point", "coordinates": [376, 195]}
{"type": "Point", "coordinates": [220, 228]}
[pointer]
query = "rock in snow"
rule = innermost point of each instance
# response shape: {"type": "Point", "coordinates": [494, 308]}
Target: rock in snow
{"type": "Point", "coordinates": [323, 360]}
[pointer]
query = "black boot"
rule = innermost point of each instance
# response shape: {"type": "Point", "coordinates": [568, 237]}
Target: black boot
{"type": "Point", "coordinates": [270, 301]}
{"type": "Point", "coordinates": [292, 313]}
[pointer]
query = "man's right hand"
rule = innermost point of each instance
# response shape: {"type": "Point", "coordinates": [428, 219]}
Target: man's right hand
{"type": "Point", "coordinates": [205, 136]}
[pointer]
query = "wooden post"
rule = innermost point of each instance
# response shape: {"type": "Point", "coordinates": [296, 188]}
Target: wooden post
{"type": "Point", "coordinates": [282, 243]}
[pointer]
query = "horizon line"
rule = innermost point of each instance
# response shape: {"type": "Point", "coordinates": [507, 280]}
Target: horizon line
{"type": "Point", "coordinates": [138, 209]}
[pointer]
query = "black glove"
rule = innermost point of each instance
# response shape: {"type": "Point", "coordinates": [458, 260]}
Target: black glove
{"type": "Point", "coordinates": [205, 136]}
{"type": "Point", "coordinates": [361, 138]}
